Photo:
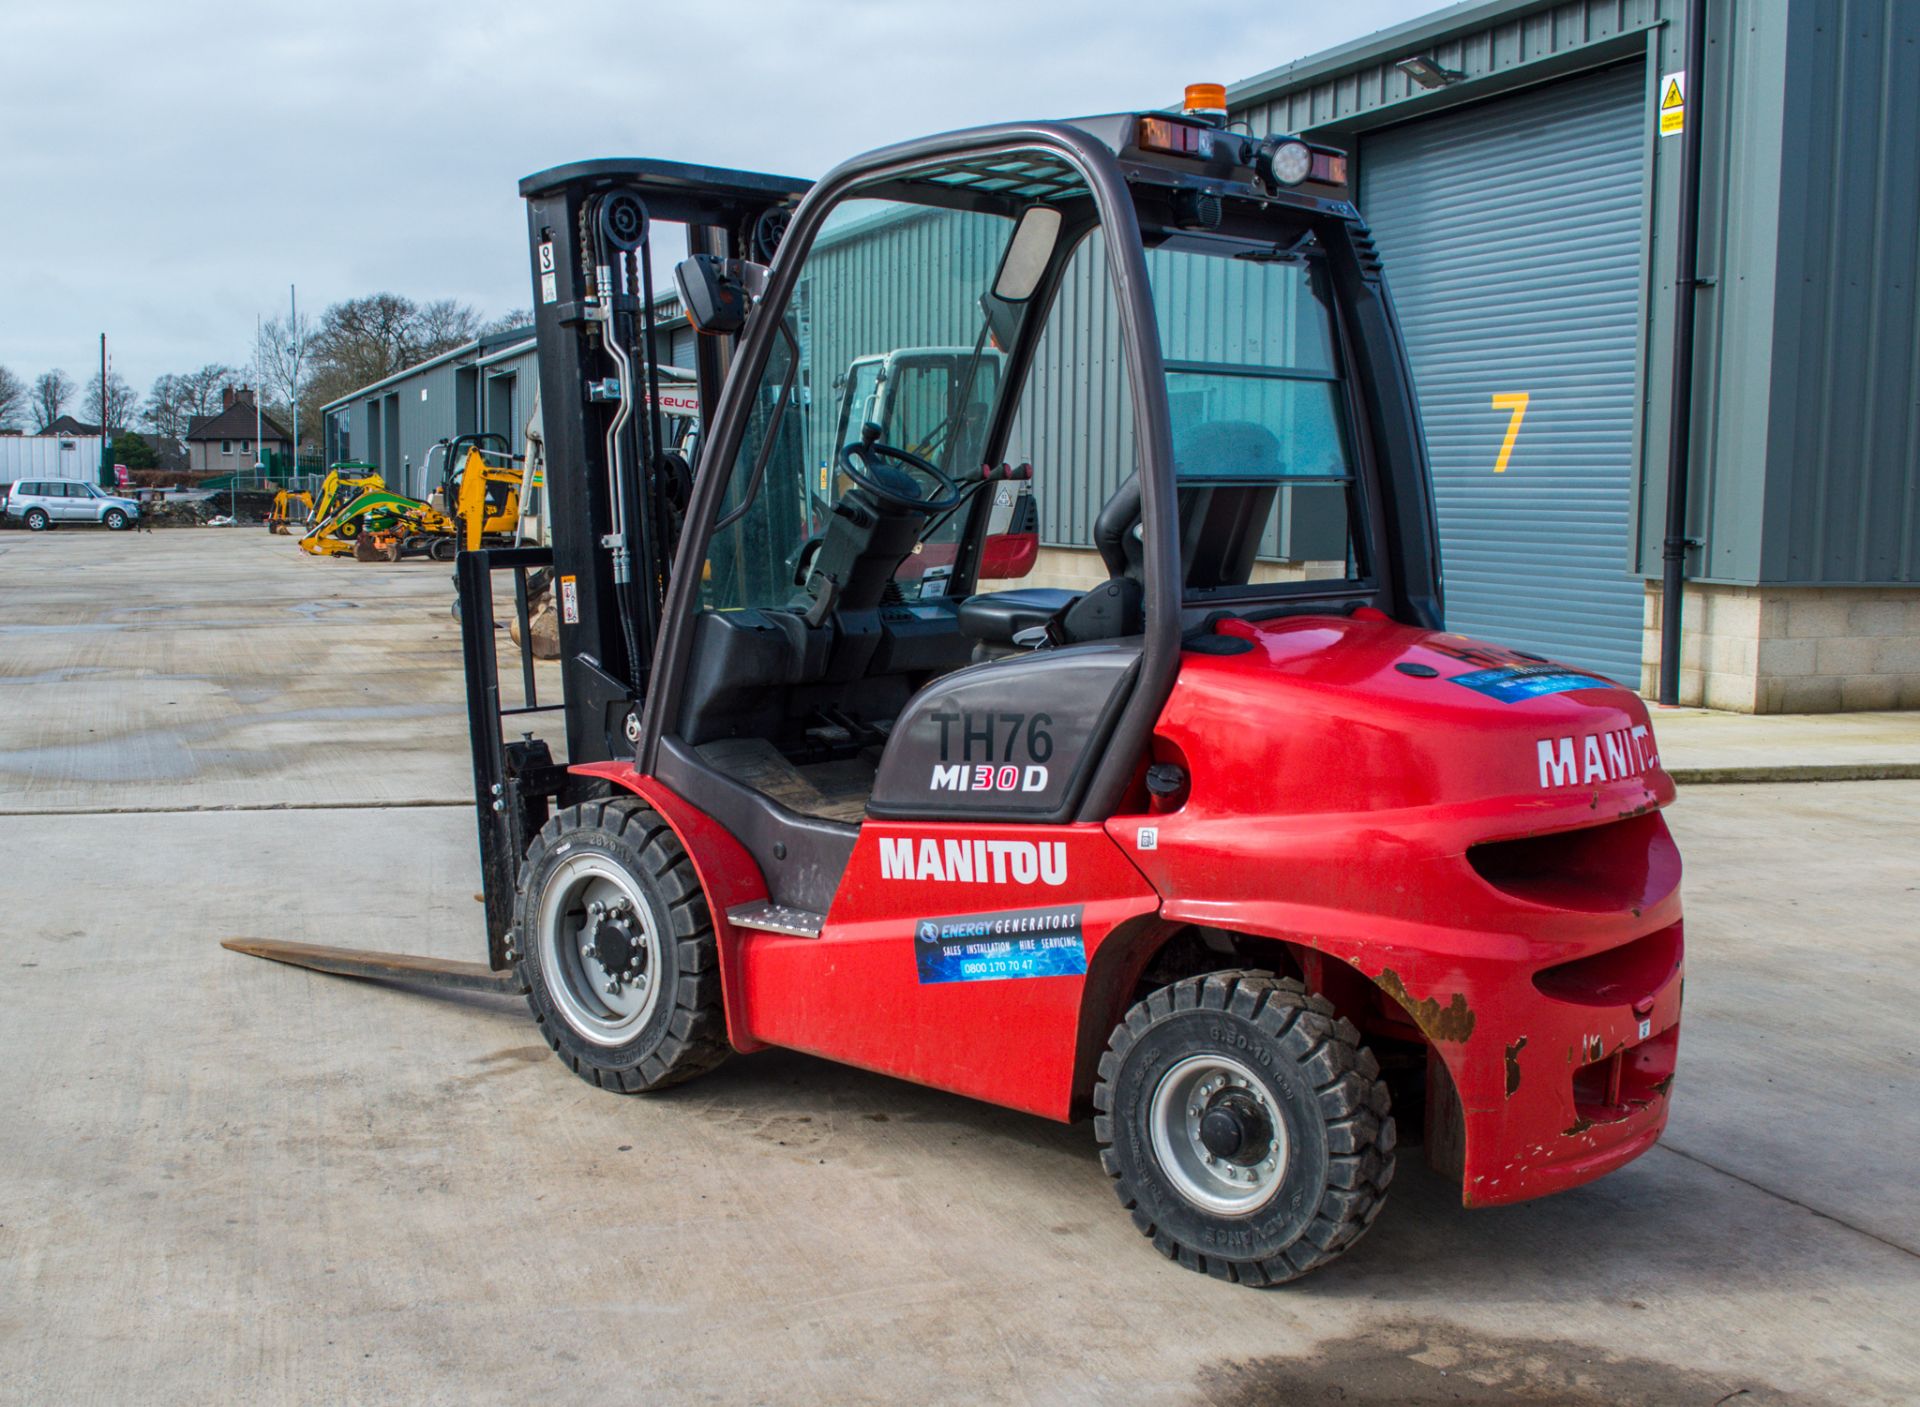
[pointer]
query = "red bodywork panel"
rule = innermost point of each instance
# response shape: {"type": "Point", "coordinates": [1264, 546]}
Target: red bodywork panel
{"type": "Point", "coordinates": [1003, 557]}
{"type": "Point", "coordinates": [1334, 797]}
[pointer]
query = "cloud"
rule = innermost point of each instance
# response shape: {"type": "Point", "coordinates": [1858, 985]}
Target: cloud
{"type": "Point", "coordinates": [170, 169]}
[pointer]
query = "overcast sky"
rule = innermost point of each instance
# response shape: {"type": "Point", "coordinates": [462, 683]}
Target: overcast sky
{"type": "Point", "coordinates": [167, 169]}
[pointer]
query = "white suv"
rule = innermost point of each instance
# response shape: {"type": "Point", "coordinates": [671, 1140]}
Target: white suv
{"type": "Point", "coordinates": [44, 502]}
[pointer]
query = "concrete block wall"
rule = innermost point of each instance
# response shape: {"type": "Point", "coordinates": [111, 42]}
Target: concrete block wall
{"type": "Point", "coordinates": [1067, 568]}
{"type": "Point", "coordinates": [1796, 649]}
{"type": "Point", "coordinates": [1080, 569]}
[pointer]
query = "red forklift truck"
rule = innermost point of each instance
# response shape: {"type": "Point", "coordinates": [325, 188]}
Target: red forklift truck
{"type": "Point", "coordinates": [1233, 848]}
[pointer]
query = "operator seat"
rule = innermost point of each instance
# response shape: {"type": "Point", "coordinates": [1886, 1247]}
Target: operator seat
{"type": "Point", "coordinates": [1228, 473]}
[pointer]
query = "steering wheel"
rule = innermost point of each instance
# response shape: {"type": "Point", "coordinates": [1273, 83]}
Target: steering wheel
{"type": "Point", "coordinates": [881, 471]}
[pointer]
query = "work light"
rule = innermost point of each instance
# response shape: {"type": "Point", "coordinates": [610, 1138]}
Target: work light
{"type": "Point", "coordinates": [1289, 162]}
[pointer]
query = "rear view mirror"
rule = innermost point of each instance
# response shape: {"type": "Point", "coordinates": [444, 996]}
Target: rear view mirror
{"type": "Point", "coordinates": [1028, 253]}
{"type": "Point", "coordinates": [1003, 320]}
{"type": "Point", "coordinates": [713, 294]}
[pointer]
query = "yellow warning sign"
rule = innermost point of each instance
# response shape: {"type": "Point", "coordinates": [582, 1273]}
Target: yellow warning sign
{"type": "Point", "coordinates": [1673, 103]}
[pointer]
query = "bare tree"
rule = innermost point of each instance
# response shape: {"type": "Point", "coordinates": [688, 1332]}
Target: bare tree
{"type": "Point", "coordinates": [51, 392]}
{"type": "Point", "coordinates": [366, 339]}
{"type": "Point", "coordinates": [200, 390]}
{"type": "Point", "coordinates": [282, 353]}
{"type": "Point", "coordinates": [170, 407]}
{"type": "Point", "coordinates": [442, 325]}
{"type": "Point", "coordinates": [509, 322]}
{"type": "Point", "coordinates": [116, 409]}
{"type": "Point", "coordinates": [166, 411]}
{"type": "Point", "coordinates": [13, 400]}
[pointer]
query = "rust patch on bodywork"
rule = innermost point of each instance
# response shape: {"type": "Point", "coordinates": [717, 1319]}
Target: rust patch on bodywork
{"type": "Point", "coordinates": [1452, 1022]}
{"type": "Point", "coordinates": [1513, 1065]}
{"type": "Point", "coordinates": [1578, 1127]}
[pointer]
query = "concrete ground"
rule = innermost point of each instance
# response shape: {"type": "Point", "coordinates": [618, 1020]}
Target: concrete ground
{"type": "Point", "coordinates": [1700, 745]}
{"type": "Point", "coordinates": [222, 1179]}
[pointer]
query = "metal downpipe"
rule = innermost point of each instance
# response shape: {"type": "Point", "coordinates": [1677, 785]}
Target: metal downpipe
{"type": "Point", "coordinates": [1680, 422]}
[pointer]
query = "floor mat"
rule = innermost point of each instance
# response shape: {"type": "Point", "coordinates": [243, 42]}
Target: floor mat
{"type": "Point", "coordinates": [835, 791]}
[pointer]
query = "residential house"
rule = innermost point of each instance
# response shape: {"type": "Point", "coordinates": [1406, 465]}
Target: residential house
{"type": "Point", "coordinates": [223, 443]}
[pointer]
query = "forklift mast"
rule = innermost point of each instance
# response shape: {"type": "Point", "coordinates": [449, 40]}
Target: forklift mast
{"type": "Point", "coordinates": [615, 488]}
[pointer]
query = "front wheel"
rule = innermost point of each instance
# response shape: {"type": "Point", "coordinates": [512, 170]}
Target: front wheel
{"type": "Point", "coordinates": [115, 520]}
{"type": "Point", "coordinates": [1245, 1128]}
{"type": "Point", "coordinates": [615, 947]}
{"type": "Point", "coordinates": [37, 520]}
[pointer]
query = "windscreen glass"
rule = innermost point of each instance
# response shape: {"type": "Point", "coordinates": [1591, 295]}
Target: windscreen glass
{"type": "Point", "coordinates": [1262, 444]}
{"type": "Point", "coordinates": [886, 326]}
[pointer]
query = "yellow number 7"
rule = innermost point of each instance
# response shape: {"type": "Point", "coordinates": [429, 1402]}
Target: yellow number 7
{"type": "Point", "coordinates": [1515, 401]}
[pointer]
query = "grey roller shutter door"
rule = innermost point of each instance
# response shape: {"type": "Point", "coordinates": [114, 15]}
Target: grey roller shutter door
{"type": "Point", "coordinates": [1512, 236]}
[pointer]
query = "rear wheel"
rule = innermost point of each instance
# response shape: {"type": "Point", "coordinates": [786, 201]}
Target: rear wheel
{"type": "Point", "coordinates": [1245, 1128]}
{"type": "Point", "coordinates": [614, 944]}
{"type": "Point", "coordinates": [37, 520]}
{"type": "Point", "coordinates": [115, 520]}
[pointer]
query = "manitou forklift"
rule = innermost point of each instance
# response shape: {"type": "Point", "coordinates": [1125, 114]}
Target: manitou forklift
{"type": "Point", "coordinates": [1235, 849]}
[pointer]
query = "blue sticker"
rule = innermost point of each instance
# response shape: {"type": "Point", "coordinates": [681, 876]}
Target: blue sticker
{"type": "Point", "coordinates": [997, 947]}
{"type": "Point", "coordinates": [1515, 683]}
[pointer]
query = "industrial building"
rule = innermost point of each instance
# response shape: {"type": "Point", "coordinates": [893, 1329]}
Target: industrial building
{"type": "Point", "coordinates": [487, 385]}
{"type": "Point", "coordinates": [1520, 163]}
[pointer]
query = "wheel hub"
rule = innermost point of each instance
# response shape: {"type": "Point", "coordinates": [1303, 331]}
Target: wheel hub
{"type": "Point", "coordinates": [613, 943]}
{"type": "Point", "coordinates": [1217, 1134]}
{"type": "Point", "coordinates": [599, 948]}
{"type": "Point", "coordinates": [1233, 1126]}
{"type": "Point", "coordinates": [612, 938]}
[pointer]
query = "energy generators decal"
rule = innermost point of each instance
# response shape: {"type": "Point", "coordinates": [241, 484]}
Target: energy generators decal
{"type": "Point", "coordinates": [998, 947]}
{"type": "Point", "coordinates": [1517, 683]}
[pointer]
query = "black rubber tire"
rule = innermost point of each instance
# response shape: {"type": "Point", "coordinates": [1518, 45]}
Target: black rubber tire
{"type": "Point", "coordinates": [444, 549]}
{"type": "Point", "coordinates": [37, 520]}
{"type": "Point", "coordinates": [115, 520]}
{"type": "Point", "coordinates": [1326, 1086]}
{"type": "Point", "coordinates": [687, 1033]}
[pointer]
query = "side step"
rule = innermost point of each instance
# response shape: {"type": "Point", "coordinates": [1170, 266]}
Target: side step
{"type": "Point", "coordinates": [768, 917]}
{"type": "Point", "coordinates": [385, 967]}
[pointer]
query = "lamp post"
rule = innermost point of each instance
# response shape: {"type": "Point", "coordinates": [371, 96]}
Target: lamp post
{"type": "Point", "coordinates": [106, 438]}
{"type": "Point", "coordinates": [295, 351]}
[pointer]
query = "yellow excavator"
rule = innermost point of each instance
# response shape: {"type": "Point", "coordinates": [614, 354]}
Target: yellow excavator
{"type": "Point", "coordinates": [481, 491]}
{"type": "Point", "coordinates": [345, 482]}
{"type": "Point", "coordinates": [477, 504]}
{"type": "Point", "coordinates": [382, 526]}
{"type": "Point", "coordinates": [291, 508]}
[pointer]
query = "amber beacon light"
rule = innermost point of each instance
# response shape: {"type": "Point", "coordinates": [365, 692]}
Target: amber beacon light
{"type": "Point", "coordinates": [1206, 100]}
